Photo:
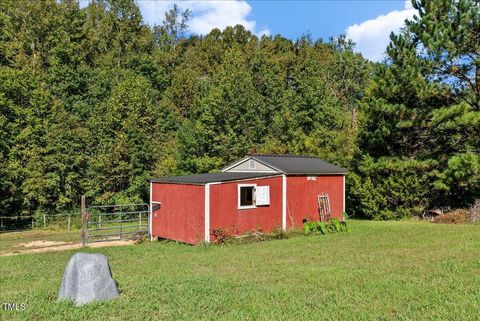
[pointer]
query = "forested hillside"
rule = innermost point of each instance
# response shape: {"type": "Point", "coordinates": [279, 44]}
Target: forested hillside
{"type": "Point", "coordinates": [95, 102]}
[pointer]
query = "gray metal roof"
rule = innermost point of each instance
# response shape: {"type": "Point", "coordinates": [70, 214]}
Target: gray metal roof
{"type": "Point", "coordinates": [202, 179]}
{"type": "Point", "coordinates": [292, 164]}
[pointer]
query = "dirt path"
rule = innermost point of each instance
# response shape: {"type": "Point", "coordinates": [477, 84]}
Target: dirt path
{"type": "Point", "coordinates": [51, 246]}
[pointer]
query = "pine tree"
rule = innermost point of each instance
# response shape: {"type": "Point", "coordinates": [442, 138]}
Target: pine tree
{"type": "Point", "coordinates": [420, 139]}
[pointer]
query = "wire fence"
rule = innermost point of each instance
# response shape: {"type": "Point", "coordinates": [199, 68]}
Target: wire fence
{"type": "Point", "coordinates": [71, 220]}
{"type": "Point", "coordinates": [112, 217]}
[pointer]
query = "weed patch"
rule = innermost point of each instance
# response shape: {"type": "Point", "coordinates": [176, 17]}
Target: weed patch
{"type": "Point", "coordinates": [454, 217]}
{"type": "Point", "coordinates": [322, 228]}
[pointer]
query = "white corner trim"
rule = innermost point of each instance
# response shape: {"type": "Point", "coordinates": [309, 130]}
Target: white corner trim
{"type": "Point", "coordinates": [150, 214]}
{"type": "Point", "coordinates": [207, 213]}
{"type": "Point", "coordinates": [240, 207]}
{"type": "Point", "coordinates": [284, 202]}
{"type": "Point", "coordinates": [344, 208]}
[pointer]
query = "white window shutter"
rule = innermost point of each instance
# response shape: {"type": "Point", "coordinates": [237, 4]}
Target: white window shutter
{"type": "Point", "coordinates": [262, 194]}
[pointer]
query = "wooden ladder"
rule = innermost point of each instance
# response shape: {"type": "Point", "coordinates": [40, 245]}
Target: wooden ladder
{"type": "Point", "coordinates": [324, 207]}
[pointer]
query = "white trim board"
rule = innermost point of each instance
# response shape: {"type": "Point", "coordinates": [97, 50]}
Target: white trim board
{"type": "Point", "coordinates": [284, 202]}
{"type": "Point", "coordinates": [150, 220]}
{"type": "Point", "coordinates": [207, 213]}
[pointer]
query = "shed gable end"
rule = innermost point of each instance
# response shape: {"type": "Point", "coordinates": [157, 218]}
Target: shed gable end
{"type": "Point", "coordinates": [250, 165]}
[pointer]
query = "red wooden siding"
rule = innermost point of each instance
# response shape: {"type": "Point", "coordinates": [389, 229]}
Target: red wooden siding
{"type": "Point", "coordinates": [302, 197]}
{"type": "Point", "coordinates": [181, 214]}
{"type": "Point", "coordinates": [224, 212]}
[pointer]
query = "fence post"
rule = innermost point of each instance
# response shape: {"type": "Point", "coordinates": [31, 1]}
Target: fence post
{"type": "Point", "coordinates": [44, 220]}
{"type": "Point", "coordinates": [33, 224]}
{"type": "Point", "coordinates": [139, 221]}
{"type": "Point", "coordinates": [121, 225]}
{"type": "Point", "coordinates": [82, 210]}
{"type": "Point", "coordinates": [1, 224]}
{"type": "Point", "coordinates": [69, 222]}
{"type": "Point", "coordinates": [100, 220]}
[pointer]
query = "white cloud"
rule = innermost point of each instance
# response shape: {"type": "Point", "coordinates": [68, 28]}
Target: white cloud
{"type": "Point", "coordinates": [264, 32]}
{"type": "Point", "coordinates": [372, 36]}
{"type": "Point", "coordinates": [206, 15]}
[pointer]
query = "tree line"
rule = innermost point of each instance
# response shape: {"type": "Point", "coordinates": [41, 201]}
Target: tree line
{"type": "Point", "coordinates": [94, 101]}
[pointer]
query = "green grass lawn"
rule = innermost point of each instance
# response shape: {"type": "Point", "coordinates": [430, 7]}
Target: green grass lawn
{"type": "Point", "coordinates": [376, 271]}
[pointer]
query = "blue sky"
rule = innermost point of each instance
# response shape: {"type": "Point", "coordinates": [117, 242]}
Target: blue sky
{"type": "Point", "coordinates": [321, 18]}
{"type": "Point", "coordinates": [367, 22]}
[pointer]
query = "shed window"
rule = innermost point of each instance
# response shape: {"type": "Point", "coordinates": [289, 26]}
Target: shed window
{"type": "Point", "coordinates": [251, 164]}
{"type": "Point", "coordinates": [246, 196]}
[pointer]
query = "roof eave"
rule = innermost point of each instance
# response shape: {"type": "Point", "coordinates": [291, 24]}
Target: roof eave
{"type": "Point", "coordinates": [323, 174]}
{"type": "Point", "coordinates": [157, 180]}
{"type": "Point", "coordinates": [265, 175]}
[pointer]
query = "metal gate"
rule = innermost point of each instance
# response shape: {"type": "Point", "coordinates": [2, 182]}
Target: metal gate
{"type": "Point", "coordinates": [115, 222]}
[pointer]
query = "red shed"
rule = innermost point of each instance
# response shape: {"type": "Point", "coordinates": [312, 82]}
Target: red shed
{"type": "Point", "coordinates": [257, 192]}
